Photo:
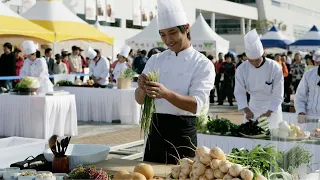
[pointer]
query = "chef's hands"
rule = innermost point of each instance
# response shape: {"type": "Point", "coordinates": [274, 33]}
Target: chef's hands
{"type": "Point", "coordinates": [142, 81]}
{"type": "Point", "coordinates": [267, 114]}
{"type": "Point", "coordinates": [156, 90]}
{"type": "Point", "coordinates": [249, 114]}
{"type": "Point", "coordinates": [302, 118]}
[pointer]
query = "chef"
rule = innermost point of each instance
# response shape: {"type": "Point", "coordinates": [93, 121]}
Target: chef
{"type": "Point", "coordinates": [36, 67]}
{"type": "Point", "coordinates": [99, 67]}
{"type": "Point", "coordinates": [122, 65]}
{"type": "Point", "coordinates": [186, 78]}
{"type": "Point", "coordinates": [307, 98]}
{"type": "Point", "coordinates": [262, 78]}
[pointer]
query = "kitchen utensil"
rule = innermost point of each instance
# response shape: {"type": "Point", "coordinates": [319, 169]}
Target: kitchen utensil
{"type": "Point", "coordinates": [59, 148]}
{"type": "Point", "coordinates": [52, 144]}
{"type": "Point", "coordinates": [63, 146]}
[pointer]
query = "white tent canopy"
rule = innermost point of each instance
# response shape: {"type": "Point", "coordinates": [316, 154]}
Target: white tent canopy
{"type": "Point", "coordinates": [203, 38]}
{"type": "Point", "coordinates": [148, 38]}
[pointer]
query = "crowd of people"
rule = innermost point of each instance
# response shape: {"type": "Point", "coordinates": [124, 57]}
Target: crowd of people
{"type": "Point", "coordinates": [293, 68]}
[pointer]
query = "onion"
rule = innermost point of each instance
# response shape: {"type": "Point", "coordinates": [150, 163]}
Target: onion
{"type": "Point", "coordinates": [227, 177]}
{"type": "Point", "coordinates": [217, 153]}
{"type": "Point", "coordinates": [175, 171]}
{"type": "Point", "coordinates": [246, 174]}
{"type": "Point", "coordinates": [224, 166]}
{"type": "Point", "coordinates": [235, 170]}
{"type": "Point", "coordinates": [215, 164]}
{"type": "Point", "coordinates": [218, 174]}
{"type": "Point", "coordinates": [137, 176]}
{"type": "Point", "coordinates": [119, 175]}
{"type": "Point", "coordinates": [145, 169]}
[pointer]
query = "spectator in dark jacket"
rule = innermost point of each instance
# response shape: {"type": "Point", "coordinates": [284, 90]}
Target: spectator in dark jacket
{"type": "Point", "coordinates": [140, 62]}
{"type": "Point", "coordinates": [7, 65]}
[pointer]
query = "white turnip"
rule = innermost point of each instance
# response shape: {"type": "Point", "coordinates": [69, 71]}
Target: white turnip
{"type": "Point", "coordinates": [198, 168]}
{"type": "Point", "coordinates": [218, 174]}
{"type": "Point", "coordinates": [227, 177]}
{"type": "Point", "coordinates": [224, 166]}
{"type": "Point", "coordinates": [217, 153]}
{"type": "Point", "coordinates": [204, 155]}
{"type": "Point", "coordinates": [260, 177]}
{"type": "Point", "coordinates": [235, 179]}
{"type": "Point", "coordinates": [246, 174]}
{"type": "Point", "coordinates": [215, 164]}
{"type": "Point", "coordinates": [183, 176]}
{"type": "Point", "coordinates": [175, 171]}
{"type": "Point", "coordinates": [203, 177]}
{"type": "Point", "coordinates": [209, 174]}
{"type": "Point", "coordinates": [186, 165]}
{"type": "Point", "coordinates": [193, 177]}
{"type": "Point", "coordinates": [235, 170]}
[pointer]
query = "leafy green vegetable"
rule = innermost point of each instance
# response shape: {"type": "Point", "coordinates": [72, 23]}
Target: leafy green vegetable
{"type": "Point", "coordinates": [260, 126]}
{"type": "Point", "coordinates": [90, 172]}
{"type": "Point", "coordinates": [128, 74]}
{"type": "Point", "coordinates": [219, 126]}
{"type": "Point", "coordinates": [64, 83]}
{"type": "Point", "coordinates": [202, 120]}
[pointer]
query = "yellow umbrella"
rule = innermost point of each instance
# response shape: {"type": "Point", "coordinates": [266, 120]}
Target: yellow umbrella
{"type": "Point", "coordinates": [13, 25]}
{"type": "Point", "coordinates": [55, 16]}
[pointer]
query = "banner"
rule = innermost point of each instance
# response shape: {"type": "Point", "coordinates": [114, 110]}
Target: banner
{"type": "Point", "coordinates": [110, 7]}
{"type": "Point", "coordinates": [91, 9]}
{"type": "Point", "coordinates": [152, 9]}
{"type": "Point", "coordinates": [27, 4]}
{"type": "Point", "coordinates": [101, 10]}
{"type": "Point", "coordinates": [136, 16]}
{"type": "Point", "coordinates": [145, 12]}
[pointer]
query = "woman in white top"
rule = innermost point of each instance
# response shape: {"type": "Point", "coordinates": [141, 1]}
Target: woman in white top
{"type": "Point", "coordinates": [122, 64]}
{"type": "Point", "coordinates": [36, 67]}
{"type": "Point", "coordinates": [307, 98]}
{"type": "Point", "coordinates": [186, 78]}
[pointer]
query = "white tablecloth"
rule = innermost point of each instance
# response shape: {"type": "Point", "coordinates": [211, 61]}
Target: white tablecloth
{"type": "Point", "coordinates": [105, 105]}
{"type": "Point", "coordinates": [38, 116]}
{"type": "Point", "coordinates": [227, 143]}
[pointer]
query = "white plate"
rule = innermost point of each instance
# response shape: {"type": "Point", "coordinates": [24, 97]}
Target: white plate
{"type": "Point", "coordinates": [219, 134]}
{"type": "Point", "coordinates": [292, 138]}
{"type": "Point", "coordinates": [259, 136]}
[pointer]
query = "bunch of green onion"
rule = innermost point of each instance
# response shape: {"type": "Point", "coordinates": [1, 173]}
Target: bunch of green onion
{"type": "Point", "coordinates": [148, 107]}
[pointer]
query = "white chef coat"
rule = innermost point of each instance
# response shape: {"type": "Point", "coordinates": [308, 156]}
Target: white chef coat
{"type": "Point", "coordinates": [307, 98]}
{"type": "Point", "coordinates": [39, 69]}
{"type": "Point", "coordinates": [120, 67]}
{"type": "Point", "coordinates": [265, 86]}
{"type": "Point", "coordinates": [189, 73]}
{"type": "Point", "coordinates": [100, 69]}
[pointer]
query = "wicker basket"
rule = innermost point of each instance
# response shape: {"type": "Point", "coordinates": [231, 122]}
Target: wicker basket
{"type": "Point", "coordinates": [124, 83]}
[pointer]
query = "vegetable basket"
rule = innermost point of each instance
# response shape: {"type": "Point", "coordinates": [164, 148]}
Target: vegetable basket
{"type": "Point", "coordinates": [124, 83]}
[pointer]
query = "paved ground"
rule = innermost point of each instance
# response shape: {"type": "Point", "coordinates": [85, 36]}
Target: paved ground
{"type": "Point", "coordinates": [101, 133]}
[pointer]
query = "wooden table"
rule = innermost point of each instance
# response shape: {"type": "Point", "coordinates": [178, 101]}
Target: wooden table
{"type": "Point", "coordinates": [112, 166]}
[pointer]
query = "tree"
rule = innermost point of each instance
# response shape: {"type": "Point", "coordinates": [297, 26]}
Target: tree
{"type": "Point", "coordinates": [264, 25]}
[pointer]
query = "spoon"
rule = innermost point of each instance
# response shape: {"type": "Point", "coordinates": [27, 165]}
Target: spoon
{"type": "Point", "coordinates": [52, 144]}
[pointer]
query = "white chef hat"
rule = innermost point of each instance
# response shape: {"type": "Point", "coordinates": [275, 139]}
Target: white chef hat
{"type": "Point", "coordinates": [91, 53]}
{"type": "Point", "coordinates": [252, 44]}
{"type": "Point", "coordinates": [171, 14]}
{"type": "Point", "coordinates": [29, 47]}
{"type": "Point", "coordinates": [316, 56]}
{"type": "Point", "coordinates": [125, 50]}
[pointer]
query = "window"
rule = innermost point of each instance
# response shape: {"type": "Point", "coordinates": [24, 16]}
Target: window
{"type": "Point", "coordinates": [299, 31]}
{"type": "Point", "coordinates": [276, 3]}
{"type": "Point", "coordinates": [117, 22]}
{"type": "Point", "coordinates": [243, 1]}
{"type": "Point", "coordinates": [129, 24]}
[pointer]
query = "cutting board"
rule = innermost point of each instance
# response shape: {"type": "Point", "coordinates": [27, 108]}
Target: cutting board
{"type": "Point", "coordinates": [112, 166]}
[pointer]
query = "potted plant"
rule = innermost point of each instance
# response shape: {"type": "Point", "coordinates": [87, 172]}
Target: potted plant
{"type": "Point", "coordinates": [125, 79]}
{"type": "Point", "coordinates": [28, 86]}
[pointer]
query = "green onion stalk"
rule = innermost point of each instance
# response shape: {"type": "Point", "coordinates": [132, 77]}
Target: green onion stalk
{"type": "Point", "coordinates": [148, 107]}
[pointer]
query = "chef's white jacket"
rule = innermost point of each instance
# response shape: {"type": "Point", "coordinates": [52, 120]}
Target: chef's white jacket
{"type": "Point", "coordinates": [189, 73]}
{"type": "Point", "coordinates": [265, 86]}
{"type": "Point", "coordinates": [39, 69]}
{"type": "Point", "coordinates": [120, 67]}
{"type": "Point", "coordinates": [100, 69]}
{"type": "Point", "coordinates": [307, 98]}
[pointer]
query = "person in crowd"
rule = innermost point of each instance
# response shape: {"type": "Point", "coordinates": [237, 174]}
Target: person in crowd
{"type": "Point", "coordinates": [83, 60]}
{"type": "Point", "coordinates": [263, 79]}
{"type": "Point", "coordinates": [19, 65]}
{"type": "Point", "coordinates": [59, 67]}
{"type": "Point", "coordinates": [186, 78]}
{"type": "Point", "coordinates": [65, 60]}
{"type": "Point", "coordinates": [307, 99]}
{"type": "Point", "coordinates": [282, 64]}
{"type": "Point", "coordinates": [131, 58]}
{"type": "Point", "coordinates": [36, 67]}
{"type": "Point", "coordinates": [289, 61]}
{"type": "Point", "coordinates": [287, 79]}
{"type": "Point", "coordinates": [153, 52]}
{"type": "Point", "coordinates": [297, 70]}
{"type": "Point", "coordinates": [140, 62]}
{"type": "Point", "coordinates": [50, 61]}
{"type": "Point", "coordinates": [114, 64]}
{"type": "Point", "coordinates": [75, 61]}
{"type": "Point", "coordinates": [240, 60]}
{"type": "Point", "coordinates": [8, 65]}
{"type": "Point", "coordinates": [310, 63]}
{"type": "Point", "coordinates": [64, 51]}
{"type": "Point", "coordinates": [122, 65]}
{"type": "Point", "coordinates": [99, 67]}
{"type": "Point", "coordinates": [227, 70]}
{"type": "Point", "coordinates": [217, 65]}
{"type": "Point", "coordinates": [212, 92]}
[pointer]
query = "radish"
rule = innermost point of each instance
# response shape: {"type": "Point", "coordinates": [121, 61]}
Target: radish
{"type": "Point", "coordinates": [227, 177]}
{"type": "Point", "coordinates": [204, 154]}
{"type": "Point", "coordinates": [186, 166]}
{"type": "Point", "coordinates": [217, 153]}
{"type": "Point", "coordinates": [175, 171]}
{"type": "Point", "coordinates": [218, 174]}
{"type": "Point", "coordinates": [209, 174]}
{"type": "Point", "coordinates": [260, 177]}
{"type": "Point", "coordinates": [235, 170]}
{"type": "Point", "coordinates": [246, 174]}
{"type": "Point", "coordinates": [224, 166]}
{"type": "Point", "coordinates": [193, 177]}
{"type": "Point", "coordinates": [203, 177]}
{"type": "Point", "coordinates": [198, 168]}
{"type": "Point", "coordinates": [215, 164]}
{"type": "Point", "coordinates": [183, 176]}
{"type": "Point", "coordinates": [235, 179]}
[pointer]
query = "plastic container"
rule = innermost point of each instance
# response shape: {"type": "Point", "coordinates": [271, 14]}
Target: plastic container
{"type": "Point", "coordinates": [60, 176]}
{"type": "Point", "coordinates": [11, 173]}
{"type": "Point", "coordinates": [1, 173]}
{"type": "Point", "coordinates": [82, 154]}
{"type": "Point", "coordinates": [15, 149]}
